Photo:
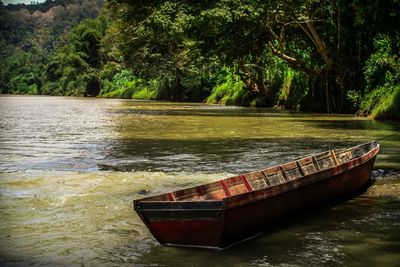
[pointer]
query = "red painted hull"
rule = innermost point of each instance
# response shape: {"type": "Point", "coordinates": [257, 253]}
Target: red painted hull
{"type": "Point", "coordinates": [221, 223]}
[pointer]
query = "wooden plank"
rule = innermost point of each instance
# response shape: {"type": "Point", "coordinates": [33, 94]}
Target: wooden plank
{"type": "Point", "coordinates": [171, 196]}
{"type": "Point", "coordinates": [247, 184]}
{"type": "Point", "coordinates": [334, 157]}
{"type": "Point", "coordinates": [274, 175]}
{"type": "Point", "coordinates": [283, 173]}
{"type": "Point", "coordinates": [307, 165]}
{"type": "Point", "coordinates": [291, 170]}
{"type": "Point", "coordinates": [325, 160]}
{"type": "Point", "coordinates": [343, 156]}
{"type": "Point", "coordinates": [226, 189]}
{"type": "Point", "coordinates": [315, 163]}
{"type": "Point", "coordinates": [256, 179]}
{"type": "Point", "coordinates": [300, 169]}
{"type": "Point", "coordinates": [200, 190]}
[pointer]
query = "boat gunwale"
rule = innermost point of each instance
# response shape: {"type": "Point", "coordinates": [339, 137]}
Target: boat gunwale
{"type": "Point", "coordinates": [263, 193]}
{"type": "Point", "coordinates": [232, 202]}
{"type": "Point", "coordinates": [204, 205]}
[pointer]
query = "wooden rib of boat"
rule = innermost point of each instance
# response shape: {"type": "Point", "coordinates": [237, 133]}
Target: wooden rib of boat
{"type": "Point", "coordinates": [225, 212]}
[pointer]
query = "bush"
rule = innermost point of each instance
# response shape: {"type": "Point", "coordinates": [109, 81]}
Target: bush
{"type": "Point", "coordinates": [32, 89]}
{"type": "Point", "coordinates": [383, 102]}
{"type": "Point", "coordinates": [355, 98]}
{"type": "Point", "coordinates": [127, 93]}
{"type": "Point", "coordinates": [382, 75]}
{"type": "Point", "coordinates": [148, 90]}
{"type": "Point", "coordinates": [113, 94]}
{"type": "Point", "coordinates": [230, 90]}
{"type": "Point", "coordinates": [122, 85]}
{"type": "Point", "coordinates": [109, 70]}
{"type": "Point", "coordinates": [145, 93]}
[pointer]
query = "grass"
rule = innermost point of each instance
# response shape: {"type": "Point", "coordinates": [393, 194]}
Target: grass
{"type": "Point", "coordinates": [388, 106]}
{"type": "Point", "coordinates": [146, 94]}
{"type": "Point", "coordinates": [230, 91]}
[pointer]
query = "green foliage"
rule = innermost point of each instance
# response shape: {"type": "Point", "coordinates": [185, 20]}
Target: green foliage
{"type": "Point", "coordinates": [148, 90]}
{"type": "Point", "coordinates": [293, 89]}
{"type": "Point", "coordinates": [230, 90]}
{"type": "Point", "coordinates": [383, 102]}
{"type": "Point", "coordinates": [389, 105]}
{"type": "Point", "coordinates": [19, 84]}
{"type": "Point", "coordinates": [232, 29]}
{"type": "Point", "coordinates": [146, 94]}
{"type": "Point", "coordinates": [125, 85]}
{"type": "Point", "coordinates": [28, 39]}
{"type": "Point", "coordinates": [86, 37]}
{"type": "Point", "coordinates": [74, 67]}
{"type": "Point", "coordinates": [154, 43]}
{"type": "Point", "coordinates": [284, 91]}
{"type": "Point", "coordinates": [21, 72]}
{"type": "Point", "coordinates": [307, 55]}
{"type": "Point", "coordinates": [121, 86]}
{"type": "Point", "coordinates": [109, 69]}
{"type": "Point", "coordinates": [383, 66]}
{"type": "Point", "coordinates": [300, 93]}
{"type": "Point", "coordinates": [355, 98]}
{"type": "Point", "coordinates": [50, 88]}
{"type": "Point", "coordinates": [382, 75]}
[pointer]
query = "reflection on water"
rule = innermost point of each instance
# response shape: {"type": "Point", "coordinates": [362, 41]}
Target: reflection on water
{"type": "Point", "coordinates": [70, 168]}
{"type": "Point", "coordinates": [47, 133]}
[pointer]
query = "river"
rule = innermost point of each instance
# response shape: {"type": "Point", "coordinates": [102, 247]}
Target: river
{"type": "Point", "coordinates": [70, 168]}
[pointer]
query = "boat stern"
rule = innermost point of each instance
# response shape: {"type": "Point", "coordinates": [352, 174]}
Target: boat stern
{"type": "Point", "coordinates": [183, 223]}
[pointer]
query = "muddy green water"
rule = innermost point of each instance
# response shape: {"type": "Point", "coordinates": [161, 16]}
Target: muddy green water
{"type": "Point", "coordinates": [70, 168]}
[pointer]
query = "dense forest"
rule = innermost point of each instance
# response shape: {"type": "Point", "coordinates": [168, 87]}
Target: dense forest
{"type": "Point", "coordinates": [326, 56]}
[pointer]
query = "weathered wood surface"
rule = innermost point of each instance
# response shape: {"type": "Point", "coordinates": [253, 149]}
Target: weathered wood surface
{"type": "Point", "coordinates": [227, 211]}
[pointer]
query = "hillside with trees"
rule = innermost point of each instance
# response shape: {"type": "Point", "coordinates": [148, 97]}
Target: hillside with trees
{"type": "Point", "coordinates": [323, 56]}
{"type": "Point", "coordinates": [29, 37]}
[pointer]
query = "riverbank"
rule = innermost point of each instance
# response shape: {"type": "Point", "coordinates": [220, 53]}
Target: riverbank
{"type": "Point", "coordinates": [389, 191]}
{"type": "Point", "coordinates": [386, 185]}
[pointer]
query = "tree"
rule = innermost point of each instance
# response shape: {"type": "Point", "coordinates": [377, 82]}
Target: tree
{"type": "Point", "coordinates": [154, 42]}
{"type": "Point", "coordinates": [74, 67]}
{"type": "Point", "coordinates": [338, 35]}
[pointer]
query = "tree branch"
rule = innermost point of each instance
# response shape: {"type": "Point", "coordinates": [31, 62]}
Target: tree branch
{"type": "Point", "coordinates": [283, 56]}
{"type": "Point", "coordinates": [320, 45]}
{"type": "Point", "coordinates": [294, 62]}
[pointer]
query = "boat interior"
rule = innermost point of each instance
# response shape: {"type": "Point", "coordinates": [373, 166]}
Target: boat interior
{"type": "Point", "coordinates": [268, 177]}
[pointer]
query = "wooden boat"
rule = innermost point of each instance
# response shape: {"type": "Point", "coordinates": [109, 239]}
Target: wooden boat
{"type": "Point", "coordinates": [222, 213]}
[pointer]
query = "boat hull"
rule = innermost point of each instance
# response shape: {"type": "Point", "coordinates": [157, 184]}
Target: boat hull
{"type": "Point", "coordinates": [248, 220]}
{"type": "Point", "coordinates": [220, 224]}
{"type": "Point", "coordinates": [188, 224]}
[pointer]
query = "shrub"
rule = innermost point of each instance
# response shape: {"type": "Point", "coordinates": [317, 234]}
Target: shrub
{"type": "Point", "coordinates": [230, 90]}
{"type": "Point", "coordinates": [122, 85]}
{"type": "Point", "coordinates": [385, 102]}
{"type": "Point", "coordinates": [382, 75]}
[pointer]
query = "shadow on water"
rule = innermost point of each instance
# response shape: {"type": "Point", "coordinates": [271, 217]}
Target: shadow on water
{"type": "Point", "coordinates": [233, 156]}
{"type": "Point", "coordinates": [335, 124]}
{"type": "Point", "coordinates": [207, 138]}
{"type": "Point", "coordinates": [212, 138]}
{"type": "Point", "coordinates": [211, 112]}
